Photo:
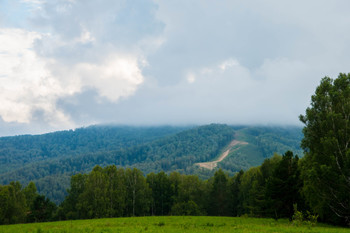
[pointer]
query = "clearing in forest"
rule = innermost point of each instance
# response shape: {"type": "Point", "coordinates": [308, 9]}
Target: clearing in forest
{"type": "Point", "coordinates": [211, 165]}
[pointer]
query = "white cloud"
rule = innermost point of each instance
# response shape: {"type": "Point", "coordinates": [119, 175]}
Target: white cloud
{"type": "Point", "coordinates": [33, 1]}
{"type": "Point", "coordinates": [117, 76]}
{"type": "Point", "coordinates": [191, 78]}
{"type": "Point", "coordinates": [168, 61]}
{"type": "Point", "coordinates": [86, 37]}
{"type": "Point", "coordinates": [62, 48]}
{"type": "Point", "coordinates": [228, 63]}
{"type": "Point", "coordinates": [274, 93]}
{"type": "Point", "coordinates": [24, 79]}
{"type": "Point", "coordinates": [30, 84]}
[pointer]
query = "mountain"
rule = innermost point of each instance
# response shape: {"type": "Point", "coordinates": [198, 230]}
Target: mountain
{"type": "Point", "coordinates": [50, 159]}
{"type": "Point", "coordinates": [27, 149]}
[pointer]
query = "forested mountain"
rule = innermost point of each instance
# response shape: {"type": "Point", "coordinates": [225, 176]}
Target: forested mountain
{"type": "Point", "coordinates": [26, 149]}
{"type": "Point", "coordinates": [50, 159]}
{"type": "Point", "coordinates": [263, 142]}
{"type": "Point", "coordinates": [46, 158]}
{"type": "Point", "coordinates": [300, 188]}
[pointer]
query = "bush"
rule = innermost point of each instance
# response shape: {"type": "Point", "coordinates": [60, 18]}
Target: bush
{"type": "Point", "coordinates": [299, 218]}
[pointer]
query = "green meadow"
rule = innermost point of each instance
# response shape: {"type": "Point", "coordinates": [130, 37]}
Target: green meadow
{"type": "Point", "coordinates": [170, 224]}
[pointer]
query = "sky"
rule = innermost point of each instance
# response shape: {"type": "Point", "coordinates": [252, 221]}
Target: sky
{"type": "Point", "coordinates": [73, 63]}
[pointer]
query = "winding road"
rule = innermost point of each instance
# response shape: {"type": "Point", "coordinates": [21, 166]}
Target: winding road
{"type": "Point", "coordinates": [213, 164]}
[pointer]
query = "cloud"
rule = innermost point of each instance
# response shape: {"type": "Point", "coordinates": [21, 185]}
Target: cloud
{"type": "Point", "coordinates": [120, 25]}
{"type": "Point", "coordinates": [25, 83]}
{"type": "Point", "coordinates": [162, 62]}
{"type": "Point", "coordinates": [274, 93]}
{"type": "Point", "coordinates": [115, 77]}
{"type": "Point", "coordinates": [30, 84]}
{"type": "Point", "coordinates": [72, 46]}
{"type": "Point", "coordinates": [235, 95]}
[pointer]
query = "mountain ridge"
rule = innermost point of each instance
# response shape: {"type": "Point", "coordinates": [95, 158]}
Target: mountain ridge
{"type": "Point", "coordinates": [151, 149]}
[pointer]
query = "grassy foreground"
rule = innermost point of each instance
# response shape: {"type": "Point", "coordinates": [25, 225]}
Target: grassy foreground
{"type": "Point", "coordinates": [169, 224]}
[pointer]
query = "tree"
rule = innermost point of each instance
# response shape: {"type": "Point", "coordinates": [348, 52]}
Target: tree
{"type": "Point", "coordinates": [186, 208]}
{"type": "Point", "coordinates": [219, 195]}
{"type": "Point", "coordinates": [188, 190]}
{"type": "Point", "coordinates": [13, 206]}
{"type": "Point", "coordinates": [161, 193]}
{"type": "Point", "coordinates": [30, 192]}
{"type": "Point", "coordinates": [248, 191]}
{"type": "Point", "coordinates": [138, 193]}
{"type": "Point", "coordinates": [116, 191]}
{"type": "Point", "coordinates": [283, 187]}
{"type": "Point", "coordinates": [326, 169]}
{"type": "Point", "coordinates": [4, 203]}
{"type": "Point", "coordinates": [235, 203]}
{"type": "Point", "coordinates": [17, 203]}
{"type": "Point", "coordinates": [70, 207]}
{"type": "Point", "coordinates": [41, 210]}
{"type": "Point", "coordinates": [94, 199]}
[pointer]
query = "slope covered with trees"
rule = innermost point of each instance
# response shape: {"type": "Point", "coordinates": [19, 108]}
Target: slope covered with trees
{"type": "Point", "coordinates": [263, 142]}
{"type": "Point", "coordinates": [269, 190]}
{"type": "Point", "coordinates": [27, 149]}
{"type": "Point", "coordinates": [301, 189]}
{"type": "Point", "coordinates": [149, 149]}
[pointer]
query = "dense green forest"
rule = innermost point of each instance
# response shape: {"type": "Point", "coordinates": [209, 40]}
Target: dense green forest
{"type": "Point", "coordinates": [313, 187]}
{"type": "Point", "coordinates": [263, 142]}
{"type": "Point", "coordinates": [48, 159]}
{"type": "Point", "coordinates": [151, 149]}
{"type": "Point", "coordinates": [270, 190]}
{"type": "Point", "coordinates": [115, 192]}
{"type": "Point", "coordinates": [27, 149]}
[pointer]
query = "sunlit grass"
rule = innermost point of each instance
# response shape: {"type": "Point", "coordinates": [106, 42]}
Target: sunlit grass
{"type": "Point", "coordinates": [169, 224]}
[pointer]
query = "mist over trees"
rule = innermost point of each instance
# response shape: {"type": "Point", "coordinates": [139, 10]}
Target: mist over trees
{"type": "Point", "coordinates": [316, 185]}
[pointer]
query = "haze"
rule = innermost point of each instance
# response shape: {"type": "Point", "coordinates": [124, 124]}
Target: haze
{"type": "Point", "coordinates": [72, 63]}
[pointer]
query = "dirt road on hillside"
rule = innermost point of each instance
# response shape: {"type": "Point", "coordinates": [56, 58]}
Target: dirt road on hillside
{"type": "Point", "coordinates": [213, 164]}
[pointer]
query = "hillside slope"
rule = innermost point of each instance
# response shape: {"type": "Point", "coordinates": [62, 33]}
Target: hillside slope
{"type": "Point", "coordinates": [49, 160]}
{"type": "Point", "coordinates": [22, 150]}
{"type": "Point", "coordinates": [262, 143]}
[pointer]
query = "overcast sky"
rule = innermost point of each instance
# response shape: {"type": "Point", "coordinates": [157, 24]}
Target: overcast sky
{"type": "Point", "coordinates": [72, 63]}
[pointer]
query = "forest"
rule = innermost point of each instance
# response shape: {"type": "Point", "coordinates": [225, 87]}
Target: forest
{"type": "Point", "coordinates": [312, 188]}
{"type": "Point", "coordinates": [151, 149]}
{"type": "Point", "coordinates": [272, 190]}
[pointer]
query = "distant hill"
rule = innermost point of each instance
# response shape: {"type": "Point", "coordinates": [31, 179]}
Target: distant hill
{"type": "Point", "coordinates": [22, 150]}
{"type": "Point", "coordinates": [50, 159]}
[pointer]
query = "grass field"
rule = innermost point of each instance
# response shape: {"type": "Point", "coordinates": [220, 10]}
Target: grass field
{"type": "Point", "coordinates": [169, 224]}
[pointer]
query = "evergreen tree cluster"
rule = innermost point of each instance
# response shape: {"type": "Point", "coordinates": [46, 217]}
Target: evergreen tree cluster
{"type": "Point", "coordinates": [281, 187]}
{"type": "Point", "coordinates": [118, 192]}
{"type": "Point", "coordinates": [19, 205]}
{"type": "Point", "coordinates": [148, 149]}
{"type": "Point", "coordinates": [271, 190]}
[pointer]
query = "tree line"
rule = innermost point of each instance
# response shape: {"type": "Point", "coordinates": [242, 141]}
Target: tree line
{"type": "Point", "coordinates": [269, 190]}
{"type": "Point", "coordinates": [164, 149]}
{"type": "Point", "coordinates": [317, 184]}
{"type": "Point", "coordinates": [118, 192]}
{"type": "Point", "coordinates": [274, 190]}
{"type": "Point", "coordinates": [20, 205]}
{"type": "Point", "coordinates": [159, 152]}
